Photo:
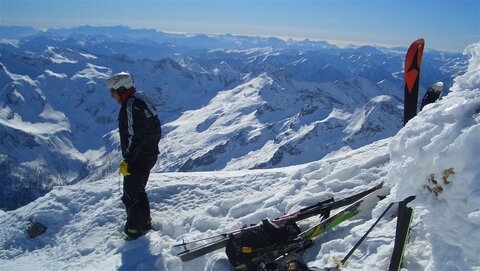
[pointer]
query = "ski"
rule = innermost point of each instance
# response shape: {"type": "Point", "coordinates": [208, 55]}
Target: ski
{"type": "Point", "coordinates": [366, 203]}
{"type": "Point", "coordinates": [413, 63]}
{"type": "Point", "coordinates": [330, 205]}
{"type": "Point", "coordinates": [404, 219]}
{"type": "Point", "coordinates": [322, 208]}
{"type": "Point", "coordinates": [305, 238]}
{"type": "Point", "coordinates": [188, 255]}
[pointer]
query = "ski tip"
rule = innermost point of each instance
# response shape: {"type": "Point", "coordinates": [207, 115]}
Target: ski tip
{"type": "Point", "coordinates": [419, 41]}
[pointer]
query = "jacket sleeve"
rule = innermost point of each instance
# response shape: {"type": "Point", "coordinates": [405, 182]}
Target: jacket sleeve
{"type": "Point", "coordinates": [135, 130]}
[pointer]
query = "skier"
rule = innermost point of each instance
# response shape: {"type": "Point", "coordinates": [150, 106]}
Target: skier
{"type": "Point", "coordinates": [140, 132]}
{"type": "Point", "coordinates": [432, 94]}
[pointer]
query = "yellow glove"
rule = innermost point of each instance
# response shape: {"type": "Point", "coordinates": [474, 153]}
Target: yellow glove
{"type": "Point", "coordinates": [124, 168]}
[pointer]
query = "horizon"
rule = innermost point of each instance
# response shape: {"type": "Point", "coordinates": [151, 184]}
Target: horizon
{"type": "Point", "coordinates": [446, 25]}
{"type": "Point", "coordinates": [339, 44]}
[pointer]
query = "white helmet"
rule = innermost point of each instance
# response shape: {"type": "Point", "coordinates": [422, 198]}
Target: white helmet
{"type": "Point", "coordinates": [122, 79]}
{"type": "Point", "coordinates": [438, 86]}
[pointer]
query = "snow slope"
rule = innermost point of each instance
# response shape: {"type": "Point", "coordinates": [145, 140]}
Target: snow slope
{"type": "Point", "coordinates": [84, 219]}
{"type": "Point", "coordinates": [445, 135]}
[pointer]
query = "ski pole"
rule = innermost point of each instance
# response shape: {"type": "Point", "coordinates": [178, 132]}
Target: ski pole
{"type": "Point", "coordinates": [120, 189]}
{"type": "Point", "coordinates": [342, 262]}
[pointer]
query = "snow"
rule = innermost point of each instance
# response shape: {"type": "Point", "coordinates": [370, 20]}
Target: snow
{"type": "Point", "coordinates": [53, 74]}
{"type": "Point", "coordinates": [92, 71]}
{"type": "Point", "coordinates": [58, 58]}
{"type": "Point", "coordinates": [20, 78]}
{"type": "Point", "coordinates": [89, 56]}
{"type": "Point", "coordinates": [13, 43]}
{"type": "Point", "coordinates": [84, 219]}
{"type": "Point", "coordinates": [443, 136]}
{"type": "Point", "coordinates": [471, 79]}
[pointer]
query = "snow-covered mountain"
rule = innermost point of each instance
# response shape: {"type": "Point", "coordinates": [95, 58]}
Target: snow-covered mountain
{"type": "Point", "coordinates": [84, 219]}
{"type": "Point", "coordinates": [226, 102]}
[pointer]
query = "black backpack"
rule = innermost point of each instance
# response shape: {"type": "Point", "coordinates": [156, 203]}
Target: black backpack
{"type": "Point", "coordinates": [245, 246]}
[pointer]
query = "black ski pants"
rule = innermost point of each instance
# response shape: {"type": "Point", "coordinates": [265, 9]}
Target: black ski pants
{"type": "Point", "coordinates": [134, 196]}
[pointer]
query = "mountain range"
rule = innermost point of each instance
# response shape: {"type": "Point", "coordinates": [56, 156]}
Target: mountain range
{"type": "Point", "coordinates": [226, 102]}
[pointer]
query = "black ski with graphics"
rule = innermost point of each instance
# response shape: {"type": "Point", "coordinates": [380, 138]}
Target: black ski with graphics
{"type": "Point", "coordinates": [404, 219]}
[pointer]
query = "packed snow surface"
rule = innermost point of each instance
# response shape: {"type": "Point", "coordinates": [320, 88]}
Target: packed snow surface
{"type": "Point", "coordinates": [440, 143]}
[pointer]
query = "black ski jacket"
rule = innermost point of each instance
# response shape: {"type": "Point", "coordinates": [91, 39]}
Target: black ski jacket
{"type": "Point", "coordinates": [430, 96]}
{"type": "Point", "coordinates": [139, 129]}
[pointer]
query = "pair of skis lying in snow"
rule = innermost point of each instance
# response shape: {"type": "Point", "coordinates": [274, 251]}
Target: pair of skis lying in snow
{"type": "Point", "coordinates": [354, 205]}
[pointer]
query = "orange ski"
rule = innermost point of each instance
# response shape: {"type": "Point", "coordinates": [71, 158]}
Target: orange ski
{"type": "Point", "coordinates": [413, 62]}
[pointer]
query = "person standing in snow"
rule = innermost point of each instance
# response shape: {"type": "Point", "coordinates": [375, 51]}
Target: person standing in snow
{"type": "Point", "coordinates": [432, 94]}
{"type": "Point", "coordinates": [140, 132]}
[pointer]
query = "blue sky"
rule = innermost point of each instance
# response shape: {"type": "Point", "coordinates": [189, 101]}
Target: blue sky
{"type": "Point", "coordinates": [445, 24]}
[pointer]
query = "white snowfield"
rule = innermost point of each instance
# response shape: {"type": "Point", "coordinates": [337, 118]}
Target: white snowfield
{"type": "Point", "coordinates": [83, 220]}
